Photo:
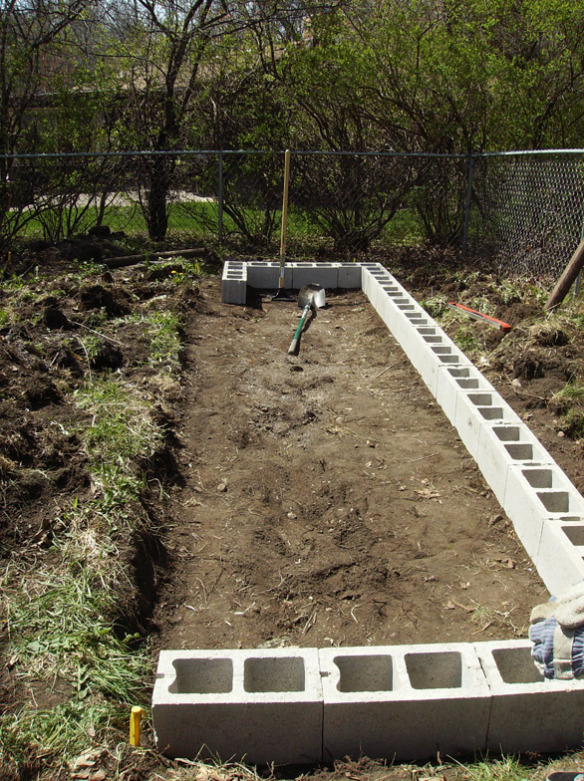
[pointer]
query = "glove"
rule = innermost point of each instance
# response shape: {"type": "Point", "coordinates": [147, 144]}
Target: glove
{"type": "Point", "coordinates": [557, 633]}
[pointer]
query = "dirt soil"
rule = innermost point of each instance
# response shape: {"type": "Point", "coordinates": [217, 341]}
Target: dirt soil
{"type": "Point", "coordinates": [315, 500]}
{"type": "Point", "coordinates": [328, 501]}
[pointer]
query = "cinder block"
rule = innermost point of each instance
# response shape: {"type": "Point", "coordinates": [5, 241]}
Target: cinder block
{"type": "Point", "coordinates": [451, 381]}
{"type": "Point", "coordinates": [560, 555]}
{"type": "Point", "coordinates": [534, 492]}
{"type": "Point", "coordinates": [260, 706]}
{"type": "Point", "coordinates": [349, 275]}
{"type": "Point", "coordinates": [475, 409]}
{"type": "Point", "coordinates": [501, 445]}
{"type": "Point", "coordinates": [403, 702]}
{"type": "Point", "coordinates": [435, 359]}
{"type": "Point", "coordinates": [528, 712]}
{"type": "Point", "coordinates": [324, 274]}
{"type": "Point", "coordinates": [265, 275]}
{"type": "Point", "coordinates": [234, 283]}
{"type": "Point", "coordinates": [370, 274]}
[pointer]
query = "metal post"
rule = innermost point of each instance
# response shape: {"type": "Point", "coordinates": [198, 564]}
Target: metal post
{"type": "Point", "coordinates": [220, 198]}
{"type": "Point", "coordinates": [467, 204]}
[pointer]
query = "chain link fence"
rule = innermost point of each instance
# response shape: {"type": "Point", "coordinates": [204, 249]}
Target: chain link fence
{"type": "Point", "coordinates": [522, 211]}
{"type": "Point", "coordinates": [527, 210]}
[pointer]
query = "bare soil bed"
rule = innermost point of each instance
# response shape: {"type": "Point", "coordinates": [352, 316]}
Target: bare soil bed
{"type": "Point", "coordinates": [315, 500]}
{"type": "Point", "coordinates": [327, 500]}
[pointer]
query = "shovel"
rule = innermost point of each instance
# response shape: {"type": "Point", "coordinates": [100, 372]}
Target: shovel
{"type": "Point", "coordinates": [310, 297]}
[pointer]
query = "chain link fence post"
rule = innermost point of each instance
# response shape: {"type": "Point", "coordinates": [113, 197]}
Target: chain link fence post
{"type": "Point", "coordinates": [466, 217]}
{"type": "Point", "coordinates": [220, 198]}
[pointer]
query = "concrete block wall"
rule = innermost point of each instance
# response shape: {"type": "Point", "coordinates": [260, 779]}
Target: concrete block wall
{"type": "Point", "coordinates": [265, 275]}
{"type": "Point", "coordinates": [399, 702]}
{"type": "Point", "coordinates": [530, 486]}
{"type": "Point", "coordinates": [403, 703]}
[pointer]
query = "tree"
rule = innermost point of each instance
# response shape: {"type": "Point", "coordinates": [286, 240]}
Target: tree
{"type": "Point", "coordinates": [168, 52]}
{"type": "Point", "coordinates": [33, 40]}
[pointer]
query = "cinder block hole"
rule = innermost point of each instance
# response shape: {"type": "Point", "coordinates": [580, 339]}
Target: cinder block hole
{"type": "Point", "coordinates": [406, 307]}
{"type": "Point", "coordinates": [432, 339]}
{"type": "Point", "coordinates": [449, 358]}
{"type": "Point", "coordinates": [538, 478]}
{"type": "Point", "coordinates": [391, 291]}
{"type": "Point", "coordinates": [202, 676]}
{"type": "Point", "coordinates": [555, 501]}
{"type": "Point", "coordinates": [365, 673]}
{"type": "Point", "coordinates": [459, 372]}
{"type": "Point", "coordinates": [520, 452]}
{"type": "Point", "coordinates": [571, 518]}
{"type": "Point", "coordinates": [515, 665]}
{"type": "Point", "coordinates": [491, 413]}
{"type": "Point", "coordinates": [507, 433]}
{"type": "Point", "coordinates": [468, 384]}
{"type": "Point", "coordinates": [281, 674]}
{"type": "Point", "coordinates": [575, 534]}
{"type": "Point", "coordinates": [481, 399]}
{"type": "Point", "coordinates": [417, 320]}
{"type": "Point", "coordinates": [234, 276]}
{"type": "Point", "coordinates": [440, 670]}
{"type": "Point", "coordinates": [426, 331]}
{"type": "Point", "coordinates": [441, 349]}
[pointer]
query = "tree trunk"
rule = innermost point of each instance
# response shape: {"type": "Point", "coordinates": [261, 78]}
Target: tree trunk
{"type": "Point", "coordinates": [157, 216]}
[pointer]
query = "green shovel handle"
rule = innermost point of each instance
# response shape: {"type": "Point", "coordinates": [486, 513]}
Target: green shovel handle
{"type": "Point", "coordinates": [294, 342]}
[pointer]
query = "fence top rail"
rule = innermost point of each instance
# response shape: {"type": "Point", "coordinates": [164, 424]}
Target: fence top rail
{"type": "Point", "coordinates": [300, 152]}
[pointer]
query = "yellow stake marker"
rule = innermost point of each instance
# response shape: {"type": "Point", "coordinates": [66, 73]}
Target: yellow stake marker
{"type": "Point", "coordinates": [135, 717]}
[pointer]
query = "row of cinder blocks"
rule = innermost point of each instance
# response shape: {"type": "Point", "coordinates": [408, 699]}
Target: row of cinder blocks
{"type": "Point", "coordinates": [264, 275]}
{"type": "Point", "coordinates": [546, 509]}
{"type": "Point", "coordinates": [292, 705]}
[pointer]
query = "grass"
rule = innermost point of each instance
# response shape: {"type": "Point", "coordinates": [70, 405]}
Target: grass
{"type": "Point", "coordinates": [163, 329]}
{"type": "Point", "coordinates": [120, 426]}
{"type": "Point", "coordinates": [79, 665]}
{"type": "Point", "coordinates": [201, 220]}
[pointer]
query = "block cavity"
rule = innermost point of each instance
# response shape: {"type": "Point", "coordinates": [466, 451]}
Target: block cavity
{"type": "Point", "coordinates": [234, 283]}
{"type": "Point", "coordinates": [258, 705]}
{"type": "Point", "coordinates": [528, 712]}
{"type": "Point", "coordinates": [403, 702]}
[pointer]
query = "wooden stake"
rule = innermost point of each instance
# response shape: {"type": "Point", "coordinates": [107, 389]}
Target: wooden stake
{"type": "Point", "coordinates": [565, 282]}
{"type": "Point", "coordinates": [284, 217]}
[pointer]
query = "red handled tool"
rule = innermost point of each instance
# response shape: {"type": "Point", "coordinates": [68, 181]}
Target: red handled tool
{"type": "Point", "coordinates": [505, 327]}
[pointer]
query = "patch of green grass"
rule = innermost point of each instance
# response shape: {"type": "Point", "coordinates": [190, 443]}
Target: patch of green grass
{"type": "Point", "coordinates": [504, 769]}
{"type": "Point", "coordinates": [65, 625]}
{"type": "Point", "coordinates": [483, 305]}
{"type": "Point", "coordinates": [436, 305]}
{"type": "Point", "coordinates": [121, 427]}
{"type": "Point", "coordinates": [573, 423]}
{"type": "Point", "coordinates": [163, 329]}
{"type": "Point", "coordinates": [569, 403]}
{"type": "Point", "coordinates": [571, 390]}
{"type": "Point", "coordinates": [467, 340]}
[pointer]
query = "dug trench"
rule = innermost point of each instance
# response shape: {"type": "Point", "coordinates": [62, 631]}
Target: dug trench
{"type": "Point", "coordinates": [326, 498]}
